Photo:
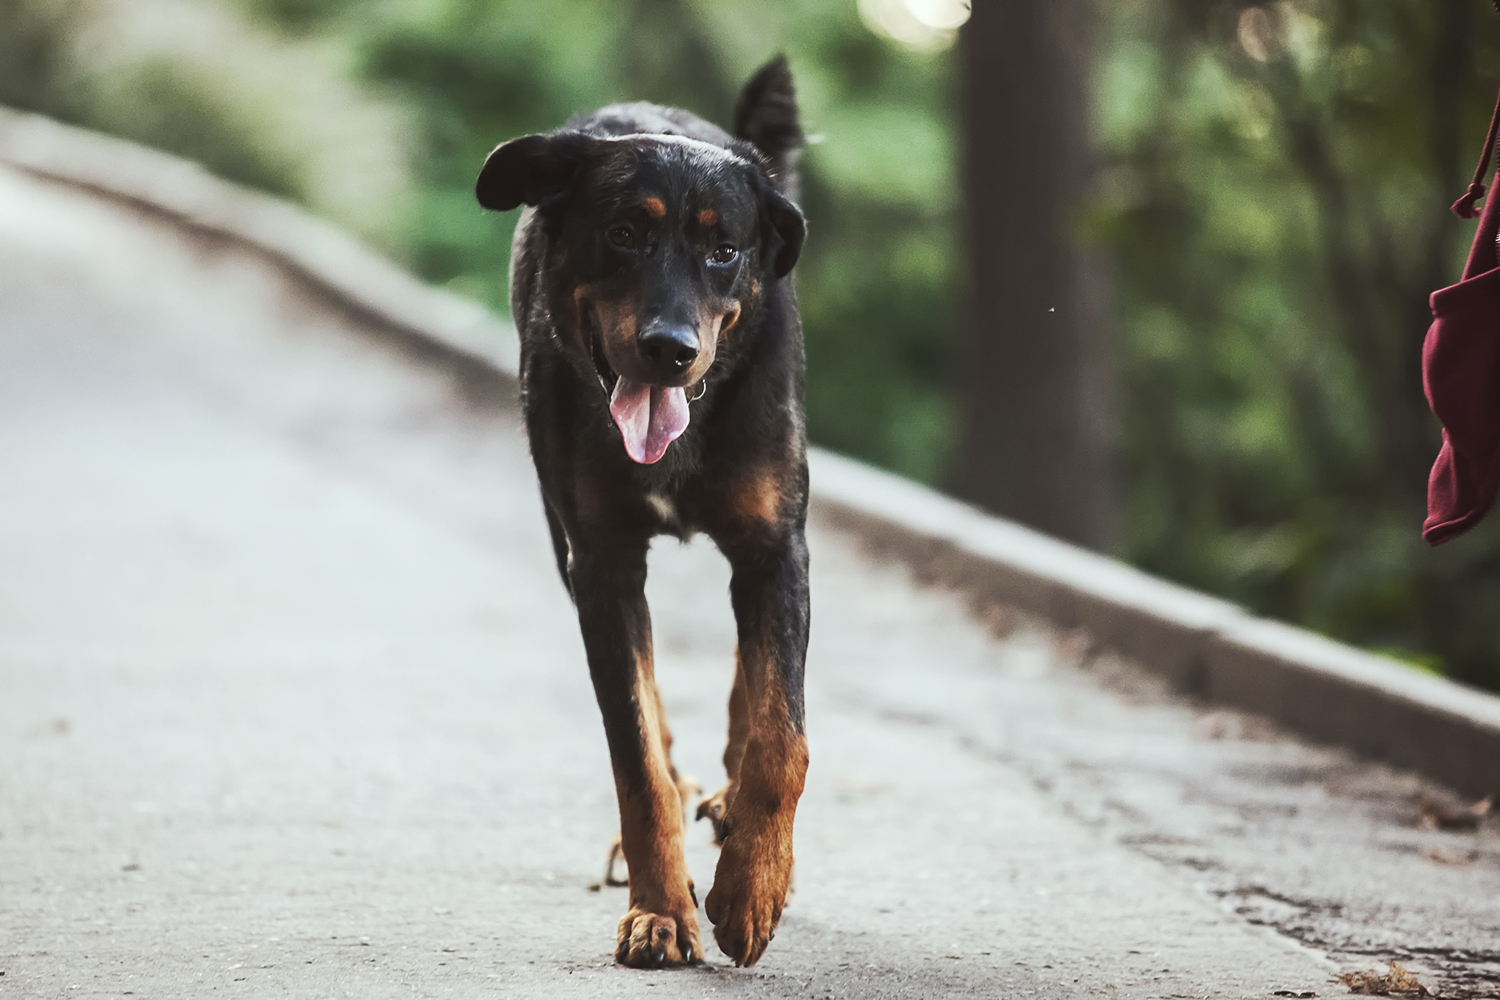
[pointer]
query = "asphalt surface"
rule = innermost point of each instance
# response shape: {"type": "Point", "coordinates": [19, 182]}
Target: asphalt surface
{"type": "Point", "coordinates": [292, 704]}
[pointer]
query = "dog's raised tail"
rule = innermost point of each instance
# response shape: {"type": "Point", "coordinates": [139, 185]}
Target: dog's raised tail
{"type": "Point", "coordinates": [766, 116]}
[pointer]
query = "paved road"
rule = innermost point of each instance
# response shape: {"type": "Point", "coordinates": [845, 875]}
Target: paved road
{"type": "Point", "coordinates": [293, 705]}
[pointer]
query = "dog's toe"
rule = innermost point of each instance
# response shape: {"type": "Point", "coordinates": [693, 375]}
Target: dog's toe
{"type": "Point", "coordinates": [743, 924]}
{"type": "Point", "coordinates": [655, 941]}
{"type": "Point", "coordinates": [749, 891]}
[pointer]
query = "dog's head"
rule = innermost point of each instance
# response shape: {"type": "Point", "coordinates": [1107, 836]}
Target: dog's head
{"type": "Point", "coordinates": [663, 246]}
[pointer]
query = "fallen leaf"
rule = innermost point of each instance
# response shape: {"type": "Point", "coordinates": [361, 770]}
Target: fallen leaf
{"type": "Point", "coordinates": [1434, 815]}
{"type": "Point", "coordinates": [1396, 982]}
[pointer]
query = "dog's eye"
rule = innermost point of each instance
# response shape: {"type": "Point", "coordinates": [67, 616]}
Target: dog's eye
{"type": "Point", "coordinates": [620, 236]}
{"type": "Point", "coordinates": [724, 254]}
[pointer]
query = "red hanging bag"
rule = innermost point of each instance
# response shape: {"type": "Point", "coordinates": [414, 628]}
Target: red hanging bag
{"type": "Point", "coordinates": [1461, 373]}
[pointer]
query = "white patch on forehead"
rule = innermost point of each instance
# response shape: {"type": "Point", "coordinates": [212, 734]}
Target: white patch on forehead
{"type": "Point", "coordinates": [696, 145]}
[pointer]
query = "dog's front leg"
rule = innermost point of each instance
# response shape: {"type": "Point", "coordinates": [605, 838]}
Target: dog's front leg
{"type": "Point", "coordinates": [769, 591]}
{"type": "Point", "coordinates": [661, 927]}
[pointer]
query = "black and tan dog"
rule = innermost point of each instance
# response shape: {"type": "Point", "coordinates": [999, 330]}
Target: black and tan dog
{"type": "Point", "coordinates": [661, 372]}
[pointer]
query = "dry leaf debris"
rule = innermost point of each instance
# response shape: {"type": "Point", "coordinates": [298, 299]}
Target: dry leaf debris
{"type": "Point", "coordinates": [1434, 815]}
{"type": "Point", "coordinates": [1397, 982]}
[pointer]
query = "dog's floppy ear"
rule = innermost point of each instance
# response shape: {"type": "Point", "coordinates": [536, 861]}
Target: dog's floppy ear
{"type": "Point", "coordinates": [787, 230]}
{"type": "Point", "coordinates": [530, 169]}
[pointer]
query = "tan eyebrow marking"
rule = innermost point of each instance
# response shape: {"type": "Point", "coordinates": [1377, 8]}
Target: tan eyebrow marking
{"type": "Point", "coordinates": [655, 208]}
{"type": "Point", "coordinates": [708, 217]}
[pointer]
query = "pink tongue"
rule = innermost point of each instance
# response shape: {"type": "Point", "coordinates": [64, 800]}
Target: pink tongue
{"type": "Point", "coordinates": [650, 417]}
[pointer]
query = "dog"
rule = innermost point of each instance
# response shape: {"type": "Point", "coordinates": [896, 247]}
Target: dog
{"type": "Point", "coordinates": [662, 382]}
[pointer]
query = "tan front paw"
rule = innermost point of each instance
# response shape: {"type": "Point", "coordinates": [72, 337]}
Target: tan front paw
{"type": "Point", "coordinates": [657, 941]}
{"type": "Point", "coordinates": [750, 888]}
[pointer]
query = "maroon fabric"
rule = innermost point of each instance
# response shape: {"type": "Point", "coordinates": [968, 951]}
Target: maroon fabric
{"type": "Point", "coordinates": [1464, 207]}
{"type": "Point", "coordinates": [1461, 375]}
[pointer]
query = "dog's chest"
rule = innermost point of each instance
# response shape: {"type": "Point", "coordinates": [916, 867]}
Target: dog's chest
{"type": "Point", "coordinates": [674, 513]}
{"type": "Point", "coordinates": [665, 509]}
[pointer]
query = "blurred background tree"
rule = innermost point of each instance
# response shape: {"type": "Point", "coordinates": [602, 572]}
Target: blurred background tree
{"type": "Point", "coordinates": [1274, 188]}
{"type": "Point", "coordinates": [1036, 390]}
{"type": "Point", "coordinates": [1268, 188]}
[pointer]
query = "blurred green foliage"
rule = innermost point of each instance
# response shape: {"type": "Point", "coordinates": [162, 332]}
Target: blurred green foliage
{"type": "Point", "coordinates": [1273, 192]}
{"type": "Point", "coordinates": [202, 79]}
{"type": "Point", "coordinates": [157, 101]}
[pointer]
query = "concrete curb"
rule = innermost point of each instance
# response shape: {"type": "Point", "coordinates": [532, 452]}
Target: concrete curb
{"type": "Point", "coordinates": [427, 319]}
{"type": "Point", "coordinates": [1203, 646]}
{"type": "Point", "coordinates": [1322, 689]}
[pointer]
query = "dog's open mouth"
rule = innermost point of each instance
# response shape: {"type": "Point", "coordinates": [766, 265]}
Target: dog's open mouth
{"type": "Point", "coordinates": [650, 417]}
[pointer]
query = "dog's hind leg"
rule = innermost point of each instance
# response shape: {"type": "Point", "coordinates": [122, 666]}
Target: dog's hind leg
{"type": "Point", "coordinates": [716, 806]}
{"type": "Point", "coordinates": [661, 926]}
{"type": "Point", "coordinates": [687, 788]}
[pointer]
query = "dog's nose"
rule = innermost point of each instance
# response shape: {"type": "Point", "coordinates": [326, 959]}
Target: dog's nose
{"type": "Point", "coordinates": [668, 348]}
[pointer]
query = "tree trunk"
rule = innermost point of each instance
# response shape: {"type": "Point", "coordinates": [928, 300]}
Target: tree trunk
{"type": "Point", "coordinates": [668, 60]}
{"type": "Point", "coordinates": [1034, 439]}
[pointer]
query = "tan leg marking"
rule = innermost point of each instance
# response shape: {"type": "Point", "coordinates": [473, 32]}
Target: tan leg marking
{"type": "Point", "coordinates": [688, 789]}
{"type": "Point", "coordinates": [757, 499]}
{"type": "Point", "coordinates": [661, 926]}
{"type": "Point", "coordinates": [716, 806]}
{"type": "Point", "coordinates": [755, 864]}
